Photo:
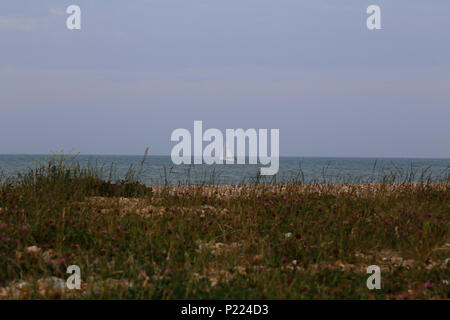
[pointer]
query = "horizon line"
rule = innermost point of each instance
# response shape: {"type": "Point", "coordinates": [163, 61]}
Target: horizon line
{"type": "Point", "coordinates": [281, 156]}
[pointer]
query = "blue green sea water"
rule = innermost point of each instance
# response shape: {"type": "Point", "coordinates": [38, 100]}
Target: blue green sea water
{"type": "Point", "coordinates": [160, 169]}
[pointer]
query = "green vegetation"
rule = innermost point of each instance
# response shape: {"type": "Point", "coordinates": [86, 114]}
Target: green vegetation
{"type": "Point", "coordinates": [291, 241]}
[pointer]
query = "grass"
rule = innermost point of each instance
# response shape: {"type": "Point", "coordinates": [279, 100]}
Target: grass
{"type": "Point", "coordinates": [259, 241]}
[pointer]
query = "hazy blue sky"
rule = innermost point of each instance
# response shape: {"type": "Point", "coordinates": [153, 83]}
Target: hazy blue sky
{"type": "Point", "coordinates": [140, 69]}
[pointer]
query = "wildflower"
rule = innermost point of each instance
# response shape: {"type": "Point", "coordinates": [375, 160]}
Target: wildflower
{"type": "Point", "coordinates": [284, 259]}
{"type": "Point", "coordinates": [427, 285]}
{"type": "Point", "coordinates": [114, 238]}
{"type": "Point", "coordinates": [405, 296]}
{"type": "Point", "coordinates": [62, 261]}
{"type": "Point", "coordinates": [288, 235]}
{"type": "Point", "coordinates": [118, 229]}
{"type": "Point", "coordinates": [266, 204]}
{"type": "Point", "coordinates": [25, 228]}
{"type": "Point", "coordinates": [169, 271]}
{"type": "Point", "coordinates": [142, 274]}
{"type": "Point", "coordinates": [6, 239]}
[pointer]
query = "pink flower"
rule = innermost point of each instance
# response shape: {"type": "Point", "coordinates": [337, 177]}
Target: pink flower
{"type": "Point", "coordinates": [266, 204]}
{"type": "Point", "coordinates": [25, 228]}
{"type": "Point", "coordinates": [6, 239]}
{"type": "Point", "coordinates": [118, 229]}
{"type": "Point", "coordinates": [405, 296]}
{"type": "Point", "coordinates": [62, 261]}
{"type": "Point", "coordinates": [284, 259]}
{"type": "Point", "coordinates": [114, 238]}
{"type": "Point", "coordinates": [168, 271]}
{"type": "Point", "coordinates": [142, 274]}
{"type": "Point", "coordinates": [427, 285]}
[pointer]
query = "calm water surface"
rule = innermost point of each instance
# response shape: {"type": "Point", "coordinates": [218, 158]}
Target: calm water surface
{"type": "Point", "coordinates": [159, 169]}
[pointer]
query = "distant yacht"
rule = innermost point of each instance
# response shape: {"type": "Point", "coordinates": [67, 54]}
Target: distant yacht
{"type": "Point", "coordinates": [227, 155]}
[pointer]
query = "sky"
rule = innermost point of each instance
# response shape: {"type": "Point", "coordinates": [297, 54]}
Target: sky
{"type": "Point", "coordinates": [137, 70]}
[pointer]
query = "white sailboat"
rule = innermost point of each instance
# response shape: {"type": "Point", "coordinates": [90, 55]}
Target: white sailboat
{"type": "Point", "coordinates": [227, 156]}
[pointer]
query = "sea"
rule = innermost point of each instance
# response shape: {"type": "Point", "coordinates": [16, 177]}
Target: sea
{"type": "Point", "coordinates": [159, 170]}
